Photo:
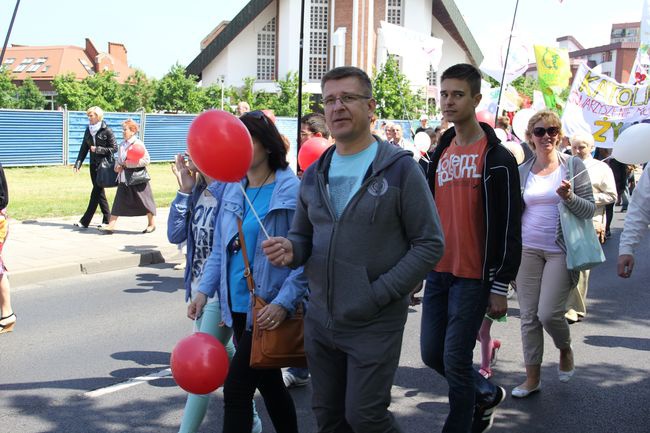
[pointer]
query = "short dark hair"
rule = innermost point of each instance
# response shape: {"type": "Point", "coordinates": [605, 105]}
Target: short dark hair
{"type": "Point", "coordinates": [345, 72]}
{"type": "Point", "coordinates": [262, 128]}
{"type": "Point", "coordinates": [316, 124]}
{"type": "Point", "coordinates": [464, 72]}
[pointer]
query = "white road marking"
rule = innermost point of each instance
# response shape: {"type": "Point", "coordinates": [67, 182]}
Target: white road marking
{"type": "Point", "coordinates": [129, 383]}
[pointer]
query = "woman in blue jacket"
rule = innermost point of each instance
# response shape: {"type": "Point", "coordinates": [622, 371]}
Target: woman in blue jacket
{"type": "Point", "coordinates": [192, 218]}
{"type": "Point", "coordinates": [273, 190]}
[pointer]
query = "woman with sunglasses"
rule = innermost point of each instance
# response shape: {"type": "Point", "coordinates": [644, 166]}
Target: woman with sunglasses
{"type": "Point", "coordinates": [192, 218]}
{"type": "Point", "coordinates": [543, 281]}
{"type": "Point", "coordinates": [273, 191]}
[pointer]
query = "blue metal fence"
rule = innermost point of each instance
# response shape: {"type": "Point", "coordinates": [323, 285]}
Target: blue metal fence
{"type": "Point", "coordinates": [30, 137]}
{"type": "Point", "coordinates": [165, 135]}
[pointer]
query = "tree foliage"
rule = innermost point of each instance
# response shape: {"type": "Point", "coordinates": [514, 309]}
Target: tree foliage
{"type": "Point", "coordinates": [105, 91]}
{"type": "Point", "coordinates": [29, 96]}
{"type": "Point", "coordinates": [392, 91]}
{"type": "Point", "coordinates": [71, 93]}
{"type": "Point", "coordinates": [137, 92]}
{"type": "Point", "coordinates": [177, 92]}
{"type": "Point", "coordinates": [7, 90]}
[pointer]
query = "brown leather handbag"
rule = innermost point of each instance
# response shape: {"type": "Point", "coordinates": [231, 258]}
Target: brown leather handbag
{"type": "Point", "coordinates": [282, 346]}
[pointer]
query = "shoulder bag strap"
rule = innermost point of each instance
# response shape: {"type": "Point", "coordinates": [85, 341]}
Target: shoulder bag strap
{"type": "Point", "coordinates": [247, 266]}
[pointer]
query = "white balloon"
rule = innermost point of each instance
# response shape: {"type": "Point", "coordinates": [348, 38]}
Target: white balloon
{"type": "Point", "coordinates": [422, 141]}
{"type": "Point", "coordinates": [414, 150]}
{"type": "Point", "coordinates": [520, 122]}
{"type": "Point", "coordinates": [501, 134]}
{"type": "Point", "coordinates": [633, 145]}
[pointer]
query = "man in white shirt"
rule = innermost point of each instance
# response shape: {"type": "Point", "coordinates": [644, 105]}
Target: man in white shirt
{"type": "Point", "coordinates": [636, 225]}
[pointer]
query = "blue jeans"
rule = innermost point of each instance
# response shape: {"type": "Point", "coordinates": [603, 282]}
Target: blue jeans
{"type": "Point", "coordinates": [452, 312]}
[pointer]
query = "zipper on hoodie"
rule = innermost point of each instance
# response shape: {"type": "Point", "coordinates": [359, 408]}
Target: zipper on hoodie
{"type": "Point", "coordinates": [330, 255]}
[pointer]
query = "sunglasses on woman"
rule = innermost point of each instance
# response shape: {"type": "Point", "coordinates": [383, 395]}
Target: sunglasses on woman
{"type": "Point", "coordinates": [539, 132]}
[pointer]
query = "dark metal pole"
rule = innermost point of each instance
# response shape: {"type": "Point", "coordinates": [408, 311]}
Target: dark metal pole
{"type": "Point", "coordinates": [4, 47]}
{"type": "Point", "coordinates": [302, 35]}
{"type": "Point", "coordinates": [505, 63]}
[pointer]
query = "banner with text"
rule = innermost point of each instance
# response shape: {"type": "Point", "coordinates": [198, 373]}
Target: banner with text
{"type": "Point", "coordinates": [600, 106]}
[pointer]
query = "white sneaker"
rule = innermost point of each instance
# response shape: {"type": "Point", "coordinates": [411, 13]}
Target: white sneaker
{"type": "Point", "coordinates": [292, 381]}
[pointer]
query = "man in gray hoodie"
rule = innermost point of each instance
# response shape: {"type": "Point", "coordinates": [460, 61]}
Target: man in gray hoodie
{"type": "Point", "coordinates": [367, 231]}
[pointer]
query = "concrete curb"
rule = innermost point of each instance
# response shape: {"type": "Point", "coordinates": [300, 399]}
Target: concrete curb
{"type": "Point", "coordinates": [93, 266]}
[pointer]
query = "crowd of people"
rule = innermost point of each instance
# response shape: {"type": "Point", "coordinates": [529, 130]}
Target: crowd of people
{"type": "Point", "coordinates": [475, 221]}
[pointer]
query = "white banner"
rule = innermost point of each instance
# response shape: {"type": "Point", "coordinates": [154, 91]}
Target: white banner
{"type": "Point", "coordinates": [402, 41]}
{"type": "Point", "coordinates": [518, 60]}
{"type": "Point", "coordinates": [600, 106]}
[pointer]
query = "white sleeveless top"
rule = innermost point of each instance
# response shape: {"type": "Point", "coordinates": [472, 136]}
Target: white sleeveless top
{"type": "Point", "coordinates": [541, 215]}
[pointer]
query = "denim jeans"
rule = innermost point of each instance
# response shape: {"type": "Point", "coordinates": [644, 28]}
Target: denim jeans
{"type": "Point", "coordinates": [452, 311]}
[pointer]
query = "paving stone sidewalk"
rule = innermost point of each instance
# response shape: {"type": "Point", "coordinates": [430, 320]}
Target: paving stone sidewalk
{"type": "Point", "coordinates": [40, 250]}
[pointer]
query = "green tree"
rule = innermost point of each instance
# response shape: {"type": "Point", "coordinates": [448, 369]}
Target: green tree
{"type": "Point", "coordinates": [74, 94]}
{"type": "Point", "coordinates": [105, 91]}
{"type": "Point", "coordinates": [7, 89]}
{"type": "Point", "coordinates": [285, 102]}
{"type": "Point", "coordinates": [137, 92]}
{"type": "Point", "coordinates": [525, 86]}
{"type": "Point", "coordinates": [29, 96]}
{"type": "Point", "coordinates": [178, 92]}
{"type": "Point", "coordinates": [392, 91]}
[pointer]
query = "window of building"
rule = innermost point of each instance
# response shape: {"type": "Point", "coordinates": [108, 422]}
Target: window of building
{"type": "Point", "coordinates": [318, 38]}
{"type": "Point", "coordinates": [37, 64]}
{"type": "Point", "coordinates": [26, 61]}
{"type": "Point", "coordinates": [394, 12]}
{"type": "Point", "coordinates": [86, 66]}
{"type": "Point", "coordinates": [9, 61]}
{"type": "Point", "coordinates": [266, 52]}
{"type": "Point", "coordinates": [607, 56]}
{"type": "Point", "coordinates": [432, 76]}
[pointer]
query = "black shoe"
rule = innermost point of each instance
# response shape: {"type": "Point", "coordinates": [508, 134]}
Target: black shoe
{"type": "Point", "coordinates": [484, 415]}
{"type": "Point", "coordinates": [608, 234]}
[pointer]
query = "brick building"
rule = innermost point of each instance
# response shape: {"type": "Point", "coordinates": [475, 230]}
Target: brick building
{"type": "Point", "coordinates": [43, 63]}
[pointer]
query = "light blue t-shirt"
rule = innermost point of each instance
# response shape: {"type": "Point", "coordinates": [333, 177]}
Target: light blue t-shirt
{"type": "Point", "coordinates": [345, 175]}
{"type": "Point", "coordinates": [239, 294]}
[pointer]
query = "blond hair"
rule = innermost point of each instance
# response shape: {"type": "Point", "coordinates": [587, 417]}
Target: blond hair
{"type": "Point", "coordinates": [98, 111]}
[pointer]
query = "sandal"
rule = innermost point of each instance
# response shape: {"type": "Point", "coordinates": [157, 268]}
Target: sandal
{"type": "Point", "coordinates": [8, 327]}
{"type": "Point", "coordinates": [496, 345]}
{"type": "Point", "coordinates": [485, 372]}
{"type": "Point", "coordinates": [150, 229]}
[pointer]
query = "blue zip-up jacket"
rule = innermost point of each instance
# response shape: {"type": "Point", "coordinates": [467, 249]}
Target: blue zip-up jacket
{"type": "Point", "coordinates": [277, 285]}
{"type": "Point", "coordinates": [179, 223]}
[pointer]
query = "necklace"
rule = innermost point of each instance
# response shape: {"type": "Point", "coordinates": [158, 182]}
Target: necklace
{"type": "Point", "coordinates": [235, 246]}
{"type": "Point", "coordinates": [259, 189]}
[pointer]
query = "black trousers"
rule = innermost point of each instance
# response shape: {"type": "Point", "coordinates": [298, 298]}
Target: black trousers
{"type": "Point", "coordinates": [242, 380]}
{"type": "Point", "coordinates": [97, 198]}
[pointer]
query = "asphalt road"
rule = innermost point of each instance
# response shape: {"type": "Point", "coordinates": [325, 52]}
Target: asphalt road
{"type": "Point", "coordinates": [84, 334]}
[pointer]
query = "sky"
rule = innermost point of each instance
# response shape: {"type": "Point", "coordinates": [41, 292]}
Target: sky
{"type": "Point", "coordinates": [157, 34]}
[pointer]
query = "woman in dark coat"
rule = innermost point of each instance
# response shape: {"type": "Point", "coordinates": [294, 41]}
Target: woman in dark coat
{"type": "Point", "coordinates": [99, 140]}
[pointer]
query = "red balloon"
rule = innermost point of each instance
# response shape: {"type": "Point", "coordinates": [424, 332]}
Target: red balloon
{"type": "Point", "coordinates": [311, 150]}
{"type": "Point", "coordinates": [220, 145]}
{"type": "Point", "coordinates": [135, 152]}
{"type": "Point", "coordinates": [486, 117]}
{"type": "Point", "coordinates": [199, 363]}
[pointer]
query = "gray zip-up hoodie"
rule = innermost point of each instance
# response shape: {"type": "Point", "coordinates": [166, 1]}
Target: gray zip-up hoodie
{"type": "Point", "coordinates": [362, 266]}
